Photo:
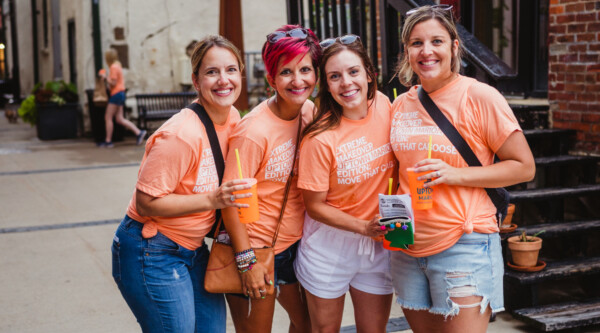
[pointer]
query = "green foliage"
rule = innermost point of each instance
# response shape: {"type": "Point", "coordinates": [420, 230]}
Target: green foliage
{"type": "Point", "coordinates": [525, 238]}
{"type": "Point", "coordinates": [59, 92]}
{"type": "Point", "coordinates": [28, 111]}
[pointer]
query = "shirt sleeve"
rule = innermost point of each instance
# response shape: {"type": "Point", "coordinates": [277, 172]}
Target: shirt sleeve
{"type": "Point", "coordinates": [251, 157]}
{"type": "Point", "coordinates": [315, 165]}
{"type": "Point", "coordinates": [498, 121]}
{"type": "Point", "coordinates": [167, 162]}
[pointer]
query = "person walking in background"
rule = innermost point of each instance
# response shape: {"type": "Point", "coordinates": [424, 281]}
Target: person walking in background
{"type": "Point", "coordinates": [116, 101]}
{"type": "Point", "coordinates": [159, 253]}
{"type": "Point", "coordinates": [450, 280]}
{"type": "Point", "coordinates": [266, 140]}
{"type": "Point", "coordinates": [345, 162]}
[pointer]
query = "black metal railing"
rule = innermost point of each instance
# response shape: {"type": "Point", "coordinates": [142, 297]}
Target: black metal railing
{"type": "Point", "coordinates": [379, 28]}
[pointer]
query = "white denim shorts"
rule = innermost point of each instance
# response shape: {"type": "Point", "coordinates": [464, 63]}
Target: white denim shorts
{"type": "Point", "coordinates": [471, 267]}
{"type": "Point", "coordinates": [330, 260]}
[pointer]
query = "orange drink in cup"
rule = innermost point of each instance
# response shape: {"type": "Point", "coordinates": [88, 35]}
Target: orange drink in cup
{"type": "Point", "coordinates": [250, 214]}
{"type": "Point", "coordinates": [422, 197]}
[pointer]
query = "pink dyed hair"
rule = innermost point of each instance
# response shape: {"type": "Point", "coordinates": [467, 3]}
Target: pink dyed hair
{"type": "Point", "coordinates": [289, 47]}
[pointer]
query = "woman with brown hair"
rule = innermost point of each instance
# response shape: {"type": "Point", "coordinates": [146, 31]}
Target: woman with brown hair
{"type": "Point", "coordinates": [159, 253]}
{"type": "Point", "coordinates": [345, 161]}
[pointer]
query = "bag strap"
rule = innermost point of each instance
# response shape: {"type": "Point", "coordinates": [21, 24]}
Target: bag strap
{"type": "Point", "coordinates": [216, 151]}
{"type": "Point", "coordinates": [288, 184]}
{"type": "Point", "coordinates": [457, 140]}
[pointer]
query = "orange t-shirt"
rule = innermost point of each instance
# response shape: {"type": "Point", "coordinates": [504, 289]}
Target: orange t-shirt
{"type": "Point", "coordinates": [484, 119]}
{"type": "Point", "coordinates": [178, 159]}
{"type": "Point", "coordinates": [116, 75]}
{"type": "Point", "coordinates": [351, 162]}
{"type": "Point", "coordinates": [266, 144]}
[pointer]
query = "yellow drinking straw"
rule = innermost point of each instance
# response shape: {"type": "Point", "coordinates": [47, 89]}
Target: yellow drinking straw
{"type": "Point", "coordinates": [391, 180]}
{"type": "Point", "coordinates": [395, 93]}
{"type": "Point", "coordinates": [428, 148]}
{"type": "Point", "coordinates": [237, 157]}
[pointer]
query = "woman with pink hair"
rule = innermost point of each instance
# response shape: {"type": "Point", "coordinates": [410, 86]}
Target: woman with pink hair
{"type": "Point", "coordinates": [266, 139]}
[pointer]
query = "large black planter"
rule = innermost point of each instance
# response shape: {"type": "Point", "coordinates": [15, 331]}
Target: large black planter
{"type": "Point", "coordinates": [57, 121]}
{"type": "Point", "coordinates": [98, 124]}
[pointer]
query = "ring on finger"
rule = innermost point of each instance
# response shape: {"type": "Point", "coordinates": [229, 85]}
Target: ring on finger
{"type": "Point", "coordinates": [438, 174]}
{"type": "Point", "coordinates": [262, 291]}
{"type": "Point", "coordinates": [232, 197]}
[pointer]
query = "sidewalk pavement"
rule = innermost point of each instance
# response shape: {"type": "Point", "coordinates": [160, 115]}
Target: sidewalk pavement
{"type": "Point", "coordinates": [60, 203]}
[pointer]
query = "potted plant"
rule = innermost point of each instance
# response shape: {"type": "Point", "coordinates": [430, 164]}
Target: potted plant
{"type": "Point", "coordinates": [525, 249]}
{"type": "Point", "coordinates": [53, 108]}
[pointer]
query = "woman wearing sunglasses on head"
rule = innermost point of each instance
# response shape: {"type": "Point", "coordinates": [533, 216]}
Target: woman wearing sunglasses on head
{"type": "Point", "coordinates": [159, 254]}
{"type": "Point", "coordinates": [345, 162]}
{"type": "Point", "coordinates": [450, 280]}
{"type": "Point", "coordinates": [266, 139]}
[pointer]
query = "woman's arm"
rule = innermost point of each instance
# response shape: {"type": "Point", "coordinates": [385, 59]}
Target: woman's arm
{"type": "Point", "coordinates": [516, 166]}
{"type": "Point", "coordinates": [179, 204]}
{"type": "Point", "coordinates": [255, 279]}
{"type": "Point", "coordinates": [318, 209]}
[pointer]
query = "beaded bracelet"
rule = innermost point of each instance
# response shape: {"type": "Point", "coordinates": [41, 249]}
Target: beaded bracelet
{"type": "Point", "coordinates": [244, 255]}
{"type": "Point", "coordinates": [249, 266]}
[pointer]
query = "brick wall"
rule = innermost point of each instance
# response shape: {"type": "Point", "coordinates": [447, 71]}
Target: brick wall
{"type": "Point", "coordinates": [574, 70]}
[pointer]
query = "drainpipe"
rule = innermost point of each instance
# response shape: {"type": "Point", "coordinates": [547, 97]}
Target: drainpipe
{"type": "Point", "coordinates": [16, 80]}
{"type": "Point", "coordinates": [96, 35]}
{"type": "Point", "coordinates": [34, 26]}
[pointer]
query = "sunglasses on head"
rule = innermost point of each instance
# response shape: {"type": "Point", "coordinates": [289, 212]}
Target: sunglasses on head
{"type": "Point", "coordinates": [446, 8]}
{"type": "Point", "coordinates": [274, 37]}
{"type": "Point", "coordinates": [345, 40]}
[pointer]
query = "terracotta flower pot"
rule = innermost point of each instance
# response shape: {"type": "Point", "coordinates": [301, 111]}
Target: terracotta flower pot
{"type": "Point", "coordinates": [509, 214]}
{"type": "Point", "coordinates": [525, 253]}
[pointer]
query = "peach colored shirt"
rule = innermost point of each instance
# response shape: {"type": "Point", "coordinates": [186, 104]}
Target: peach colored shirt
{"type": "Point", "coordinates": [116, 75]}
{"type": "Point", "coordinates": [351, 162]}
{"type": "Point", "coordinates": [178, 159]}
{"type": "Point", "coordinates": [484, 119]}
{"type": "Point", "coordinates": [266, 144]}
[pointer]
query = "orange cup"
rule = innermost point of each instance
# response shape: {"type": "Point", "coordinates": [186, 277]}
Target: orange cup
{"type": "Point", "coordinates": [250, 214]}
{"type": "Point", "coordinates": [422, 197]}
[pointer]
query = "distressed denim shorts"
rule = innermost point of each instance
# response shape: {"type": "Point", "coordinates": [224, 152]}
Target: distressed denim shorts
{"type": "Point", "coordinates": [118, 98]}
{"type": "Point", "coordinates": [471, 267]}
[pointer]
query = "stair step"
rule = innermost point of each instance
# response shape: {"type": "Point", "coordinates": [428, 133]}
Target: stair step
{"type": "Point", "coordinates": [556, 270]}
{"type": "Point", "coordinates": [531, 116]}
{"type": "Point", "coordinates": [565, 159]}
{"type": "Point", "coordinates": [547, 132]}
{"type": "Point", "coordinates": [556, 229]}
{"type": "Point", "coordinates": [561, 316]}
{"type": "Point", "coordinates": [555, 192]}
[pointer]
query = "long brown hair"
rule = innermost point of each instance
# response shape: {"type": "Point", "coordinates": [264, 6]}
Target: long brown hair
{"type": "Point", "coordinates": [329, 112]}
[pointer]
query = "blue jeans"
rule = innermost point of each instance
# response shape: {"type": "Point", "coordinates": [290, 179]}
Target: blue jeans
{"type": "Point", "coordinates": [163, 283]}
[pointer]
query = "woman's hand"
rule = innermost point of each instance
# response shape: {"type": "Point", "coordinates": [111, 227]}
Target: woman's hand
{"type": "Point", "coordinates": [373, 228]}
{"type": "Point", "coordinates": [440, 172]}
{"type": "Point", "coordinates": [255, 281]}
{"type": "Point", "coordinates": [223, 197]}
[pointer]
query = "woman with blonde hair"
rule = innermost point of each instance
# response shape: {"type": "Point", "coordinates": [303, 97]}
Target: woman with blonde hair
{"type": "Point", "coordinates": [450, 280]}
{"type": "Point", "coordinates": [116, 101]}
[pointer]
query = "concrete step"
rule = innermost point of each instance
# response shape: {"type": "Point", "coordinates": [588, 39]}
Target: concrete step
{"type": "Point", "coordinates": [561, 316]}
{"type": "Point", "coordinates": [554, 193]}
{"type": "Point", "coordinates": [555, 270]}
